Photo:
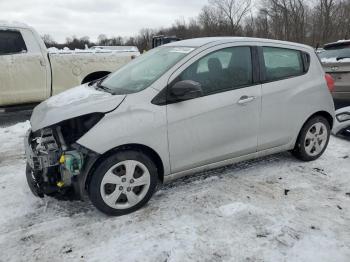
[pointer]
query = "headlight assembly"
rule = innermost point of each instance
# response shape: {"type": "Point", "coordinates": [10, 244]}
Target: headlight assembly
{"type": "Point", "coordinates": [73, 129]}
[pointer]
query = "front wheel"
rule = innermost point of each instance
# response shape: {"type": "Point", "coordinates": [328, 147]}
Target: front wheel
{"type": "Point", "coordinates": [33, 183]}
{"type": "Point", "coordinates": [123, 183]}
{"type": "Point", "coordinates": [313, 139]}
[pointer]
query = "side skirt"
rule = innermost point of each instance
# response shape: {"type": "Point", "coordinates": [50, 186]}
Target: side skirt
{"type": "Point", "coordinates": [174, 176]}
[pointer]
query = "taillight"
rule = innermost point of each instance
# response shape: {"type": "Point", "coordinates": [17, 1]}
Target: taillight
{"type": "Point", "coordinates": [330, 82]}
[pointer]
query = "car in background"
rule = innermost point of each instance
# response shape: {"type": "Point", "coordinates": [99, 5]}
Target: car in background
{"type": "Point", "coordinates": [31, 73]}
{"type": "Point", "coordinates": [336, 61]}
{"type": "Point", "coordinates": [159, 40]}
{"type": "Point", "coordinates": [342, 122]}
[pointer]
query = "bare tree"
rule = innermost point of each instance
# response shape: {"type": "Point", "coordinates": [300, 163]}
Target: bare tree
{"type": "Point", "coordinates": [48, 40]}
{"type": "Point", "coordinates": [287, 19]}
{"type": "Point", "coordinates": [326, 14]}
{"type": "Point", "coordinates": [343, 22]}
{"type": "Point", "coordinates": [102, 39]}
{"type": "Point", "coordinates": [262, 24]}
{"type": "Point", "coordinates": [212, 21]}
{"type": "Point", "coordinates": [233, 11]}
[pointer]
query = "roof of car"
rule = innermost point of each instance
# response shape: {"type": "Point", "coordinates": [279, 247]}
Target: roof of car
{"type": "Point", "coordinates": [339, 43]}
{"type": "Point", "coordinates": [13, 24]}
{"type": "Point", "coordinates": [197, 42]}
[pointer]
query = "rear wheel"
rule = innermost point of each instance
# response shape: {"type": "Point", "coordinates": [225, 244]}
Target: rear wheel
{"type": "Point", "coordinates": [123, 183]}
{"type": "Point", "coordinates": [313, 139]}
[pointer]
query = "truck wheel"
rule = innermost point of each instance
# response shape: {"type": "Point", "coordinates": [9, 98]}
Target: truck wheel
{"type": "Point", "coordinates": [123, 183]}
{"type": "Point", "coordinates": [313, 139]}
{"type": "Point", "coordinates": [32, 183]}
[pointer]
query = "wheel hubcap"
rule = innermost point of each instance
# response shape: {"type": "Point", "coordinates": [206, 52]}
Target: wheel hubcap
{"type": "Point", "coordinates": [125, 184]}
{"type": "Point", "coordinates": [316, 139]}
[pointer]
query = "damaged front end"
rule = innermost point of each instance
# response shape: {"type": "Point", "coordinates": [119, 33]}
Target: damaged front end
{"type": "Point", "coordinates": [56, 164]}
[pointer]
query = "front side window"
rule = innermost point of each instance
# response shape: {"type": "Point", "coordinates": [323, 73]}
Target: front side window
{"type": "Point", "coordinates": [222, 70]}
{"type": "Point", "coordinates": [281, 63]}
{"type": "Point", "coordinates": [144, 70]}
{"type": "Point", "coordinates": [11, 42]}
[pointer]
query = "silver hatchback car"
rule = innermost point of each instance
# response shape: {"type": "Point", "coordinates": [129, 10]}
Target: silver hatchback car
{"type": "Point", "coordinates": [180, 108]}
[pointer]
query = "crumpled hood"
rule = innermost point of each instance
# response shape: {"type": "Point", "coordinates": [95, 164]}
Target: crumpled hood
{"type": "Point", "coordinates": [77, 101]}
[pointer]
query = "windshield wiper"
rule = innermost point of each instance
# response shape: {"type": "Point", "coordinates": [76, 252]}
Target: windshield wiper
{"type": "Point", "coordinates": [342, 57]}
{"type": "Point", "coordinates": [104, 88]}
{"type": "Point", "coordinates": [100, 86]}
{"type": "Point", "coordinates": [97, 80]}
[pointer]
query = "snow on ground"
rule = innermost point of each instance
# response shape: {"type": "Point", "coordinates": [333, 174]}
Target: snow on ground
{"type": "Point", "coordinates": [270, 209]}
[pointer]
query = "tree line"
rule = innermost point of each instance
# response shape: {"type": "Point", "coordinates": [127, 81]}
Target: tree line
{"type": "Point", "coordinates": [314, 22]}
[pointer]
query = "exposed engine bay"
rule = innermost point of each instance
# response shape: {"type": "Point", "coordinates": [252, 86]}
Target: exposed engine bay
{"type": "Point", "coordinates": [55, 160]}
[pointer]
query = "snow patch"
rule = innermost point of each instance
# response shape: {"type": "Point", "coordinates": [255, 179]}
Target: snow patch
{"type": "Point", "coordinates": [316, 247]}
{"type": "Point", "coordinates": [343, 40]}
{"type": "Point", "coordinates": [242, 216]}
{"type": "Point", "coordinates": [66, 50]}
{"type": "Point", "coordinates": [12, 135]}
{"type": "Point", "coordinates": [74, 95]}
{"type": "Point", "coordinates": [334, 60]}
{"type": "Point", "coordinates": [237, 207]}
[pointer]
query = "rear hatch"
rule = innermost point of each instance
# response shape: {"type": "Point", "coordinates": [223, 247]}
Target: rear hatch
{"type": "Point", "coordinates": [340, 71]}
{"type": "Point", "coordinates": [336, 61]}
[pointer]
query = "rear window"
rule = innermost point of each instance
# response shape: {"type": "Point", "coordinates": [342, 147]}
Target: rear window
{"type": "Point", "coordinates": [281, 63]}
{"type": "Point", "coordinates": [339, 54]}
{"type": "Point", "coordinates": [11, 42]}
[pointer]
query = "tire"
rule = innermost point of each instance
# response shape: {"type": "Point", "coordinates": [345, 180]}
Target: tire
{"type": "Point", "coordinates": [313, 139]}
{"type": "Point", "coordinates": [123, 183]}
{"type": "Point", "coordinates": [32, 183]}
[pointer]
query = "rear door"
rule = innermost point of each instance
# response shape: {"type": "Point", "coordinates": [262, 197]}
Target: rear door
{"type": "Point", "coordinates": [23, 70]}
{"type": "Point", "coordinates": [285, 92]}
{"type": "Point", "coordinates": [223, 123]}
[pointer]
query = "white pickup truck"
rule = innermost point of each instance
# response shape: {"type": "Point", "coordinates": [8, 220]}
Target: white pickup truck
{"type": "Point", "coordinates": [29, 73]}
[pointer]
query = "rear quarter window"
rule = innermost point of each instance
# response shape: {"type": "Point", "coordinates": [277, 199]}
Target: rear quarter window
{"type": "Point", "coordinates": [281, 63]}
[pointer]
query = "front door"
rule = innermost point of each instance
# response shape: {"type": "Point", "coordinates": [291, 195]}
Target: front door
{"type": "Point", "coordinates": [223, 123]}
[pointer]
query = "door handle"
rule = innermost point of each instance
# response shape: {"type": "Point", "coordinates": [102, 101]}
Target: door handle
{"type": "Point", "coordinates": [42, 62]}
{"type": "Point", "coordinates": [246, 99]}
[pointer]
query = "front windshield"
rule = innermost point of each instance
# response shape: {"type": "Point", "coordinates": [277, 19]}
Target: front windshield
{"type": "Point", "coordinates": [333, 54]}
{"type": "Point", "coordinates": [144, 70]}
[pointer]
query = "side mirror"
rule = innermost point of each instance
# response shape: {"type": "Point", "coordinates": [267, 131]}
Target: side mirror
{"type": "Point", "coordinates": [185, 90]}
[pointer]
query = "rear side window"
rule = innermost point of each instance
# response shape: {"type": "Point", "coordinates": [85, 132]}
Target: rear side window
{"type": "Point", "coordinates": [335, 54]}
{"type": "Point", "coordinates": [11, 42]}
{"type": "Point", "coordinates": [281, 63]}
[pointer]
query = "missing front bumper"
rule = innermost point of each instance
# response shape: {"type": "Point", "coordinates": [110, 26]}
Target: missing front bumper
{"type": "Point", "coordinates": [55, 171]}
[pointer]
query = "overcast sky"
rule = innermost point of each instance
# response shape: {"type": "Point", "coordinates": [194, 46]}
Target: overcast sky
{"type": "Point", "coordinates": [62, 18]}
